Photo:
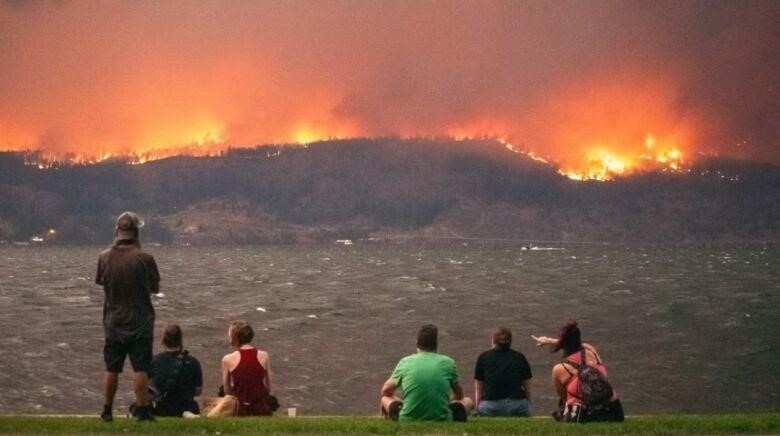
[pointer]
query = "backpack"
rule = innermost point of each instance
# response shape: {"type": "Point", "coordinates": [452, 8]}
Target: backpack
{"type": "Point", "coordinates": [171, 386]}
{"type": "Point", "coordinates": [594, 391]}
{"type": "Point", "coordinates": [173, 383]}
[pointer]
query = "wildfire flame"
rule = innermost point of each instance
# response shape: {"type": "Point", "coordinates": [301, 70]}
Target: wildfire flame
{"type": "Point", "coordinates": [602, 163]}
{"type": "Point", "coordinates": [597, 129]}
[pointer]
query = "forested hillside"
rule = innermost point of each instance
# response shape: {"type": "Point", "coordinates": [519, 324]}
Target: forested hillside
{"type": "Point", "coordinates": [382, 188]}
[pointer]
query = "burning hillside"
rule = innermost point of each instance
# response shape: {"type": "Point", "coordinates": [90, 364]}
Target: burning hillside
{"type": "Point", "coordinates": [594, 130]}
{"type": "Point", "coordinates": [598, 90]}
{"type": "Point", "coordinates": [363, 188]}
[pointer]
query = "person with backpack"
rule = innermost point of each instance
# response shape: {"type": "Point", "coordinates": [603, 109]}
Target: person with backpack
{"type": "Point", "coordinates": [176, 377]}
{"type": "Point", "coordinates": [580, 379]}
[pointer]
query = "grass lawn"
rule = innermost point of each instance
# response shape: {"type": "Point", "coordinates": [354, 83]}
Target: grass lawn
{"type": "Point", "coordinates": [757, 423]}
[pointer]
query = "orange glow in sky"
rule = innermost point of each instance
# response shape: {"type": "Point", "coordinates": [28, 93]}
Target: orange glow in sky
{"type": "Point", "coordinates": [598, 90]}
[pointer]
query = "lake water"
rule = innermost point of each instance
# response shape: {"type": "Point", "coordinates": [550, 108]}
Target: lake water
{"type": "Point", "coordinates": [681, 328]}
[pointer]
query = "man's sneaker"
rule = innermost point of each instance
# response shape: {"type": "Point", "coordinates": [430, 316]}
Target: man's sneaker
{"type": "Point", "coordinates": [143, 413]}
{"type": "Point", "coordinates": [106, 416]}
{"type": "Point", "coordinates": [394, 410]}
{"type": "Point", "coordinates": [458, 412]}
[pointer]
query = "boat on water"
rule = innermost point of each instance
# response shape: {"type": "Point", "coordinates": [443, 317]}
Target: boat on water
{"type": "Point", "coordinates": [531, 247]}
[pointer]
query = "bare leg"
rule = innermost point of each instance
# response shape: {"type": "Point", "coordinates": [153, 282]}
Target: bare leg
{"type": "Point", "coordinates": [110, 383]}
{"type": "Point", "coordinates": [225, 406]}
{"type": "Point", "coordinates": [467, 402]}
{"type": "Point", "coordinates": [384, 405]}
{"type": "Point", "coordinates": [461, 409]}
{"type": "Point", "coordinates": [141, 388]}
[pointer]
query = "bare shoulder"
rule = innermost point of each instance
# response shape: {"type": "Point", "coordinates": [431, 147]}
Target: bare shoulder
{"type": "Point", "coordinates": [231, 357]}
{"type": "Point", "coordinates": [593, 352]}
{"type": "Point", "coordinates": [562, 372]}
{"type": "Point", "coordinates": [262, 356]}
{"type": "Point", "coordinates": [558, 369]}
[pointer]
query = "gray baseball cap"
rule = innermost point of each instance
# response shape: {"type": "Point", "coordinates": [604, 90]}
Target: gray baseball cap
{"type": "Point", "coordinates": [127, 225]}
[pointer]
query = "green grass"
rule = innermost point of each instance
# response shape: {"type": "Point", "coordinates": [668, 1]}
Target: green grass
{"type": "Point", "coordinates": [743, 423]}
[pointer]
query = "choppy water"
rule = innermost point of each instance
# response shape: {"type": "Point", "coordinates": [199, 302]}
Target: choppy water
{"type": "Point", "coordinates": [684, 328]}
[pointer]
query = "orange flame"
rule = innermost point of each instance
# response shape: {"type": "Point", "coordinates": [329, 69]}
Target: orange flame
{"type": "Point", "coordinates": [619, 125]}
{"type": "Point", "coordinates": [602, 163]}
{"type": "Point", "coordinates": [596, 129]}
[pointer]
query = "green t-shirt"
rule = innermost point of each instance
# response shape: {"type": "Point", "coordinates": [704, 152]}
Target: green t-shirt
{"type": "Point", "coordinates": [426, 380]}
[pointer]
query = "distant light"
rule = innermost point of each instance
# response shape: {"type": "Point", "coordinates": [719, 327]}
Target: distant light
{"type": "Point", "coordinates": [52, 232]}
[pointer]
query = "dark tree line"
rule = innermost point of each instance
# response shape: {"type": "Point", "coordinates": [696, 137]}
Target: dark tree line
{"type": "Point", "coordinates": [358, 186]}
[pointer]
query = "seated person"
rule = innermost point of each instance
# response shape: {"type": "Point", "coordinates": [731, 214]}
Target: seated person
{"type": "Point", "coordinates": [426, 379]}
{"type": "Point", "coordinates": [175, 377]}
{"type": "Point", "coordinates": [502, 379]}
{"type": "Point", "coordinates": [246, 377]}
{"type": "Point", "coordinates": [566, 379]}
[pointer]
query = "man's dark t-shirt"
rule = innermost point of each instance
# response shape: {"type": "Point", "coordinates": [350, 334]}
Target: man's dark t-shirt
{"type": "Point", "coordinates": [129, 277]}
{"type": "Point", "coordinates": [175, 376]}
{"type": "Point", "coordinates": [502, 373]}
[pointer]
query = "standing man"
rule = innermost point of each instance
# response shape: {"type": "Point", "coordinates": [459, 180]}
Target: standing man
{"type": "Point", "coordinates": [426, 378]}
{"type": "Point", "coordinates": [502, 379]}
{"type": "Point", "coordinates": [129, 277]}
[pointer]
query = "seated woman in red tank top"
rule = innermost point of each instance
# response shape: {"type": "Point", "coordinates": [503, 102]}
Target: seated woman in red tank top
{"type": "Point", "coordinates": [246, 376]}
{"type": "Point", "coordinates": [567, 381]}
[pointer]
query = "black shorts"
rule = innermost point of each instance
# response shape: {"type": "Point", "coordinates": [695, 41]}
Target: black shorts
{"type": "Point", "coordinates": [139, 350]}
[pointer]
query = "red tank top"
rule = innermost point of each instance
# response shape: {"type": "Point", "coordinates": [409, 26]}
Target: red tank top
{"type": "Point", "coordinates": [249, 387]}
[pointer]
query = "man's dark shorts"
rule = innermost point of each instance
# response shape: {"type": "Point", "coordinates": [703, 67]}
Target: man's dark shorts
{"type": "Point", "coordinates": [139, 350]}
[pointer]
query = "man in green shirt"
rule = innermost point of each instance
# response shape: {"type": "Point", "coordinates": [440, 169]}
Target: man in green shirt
{"type": "Point", "coordinates": [426, 379]}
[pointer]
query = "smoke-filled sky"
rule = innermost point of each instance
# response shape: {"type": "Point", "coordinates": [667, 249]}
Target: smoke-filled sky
{"type": "Point", "coordinates": [559, 78]}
